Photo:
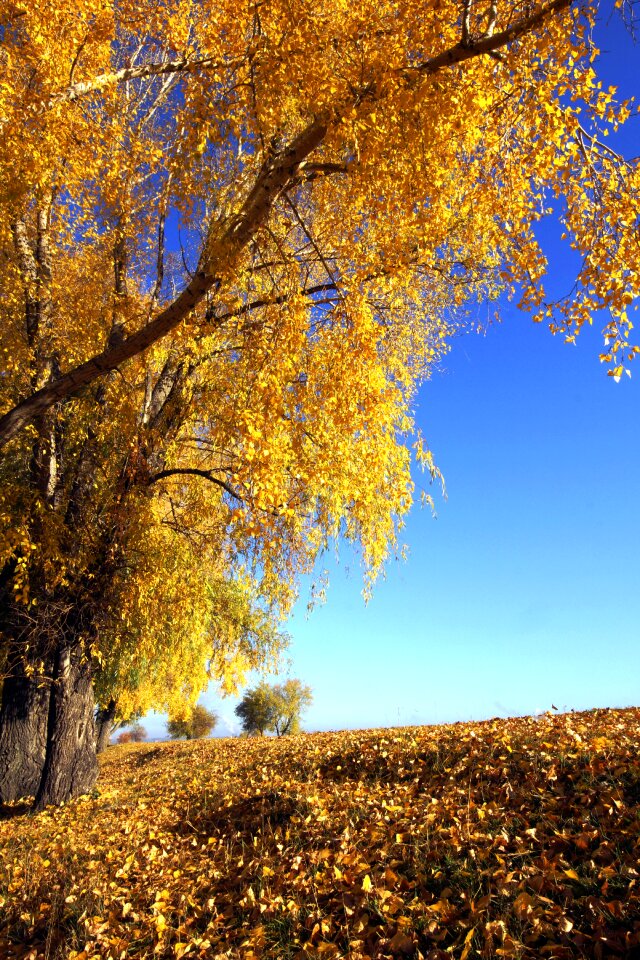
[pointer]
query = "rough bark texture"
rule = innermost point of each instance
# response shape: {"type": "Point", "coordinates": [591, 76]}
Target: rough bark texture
{"type": "Point", "coordinates": [70, 767]}
{"type": "Point", "coordinates": [104, 725]}
{"type": "Point", "coordinates": [23, 731]}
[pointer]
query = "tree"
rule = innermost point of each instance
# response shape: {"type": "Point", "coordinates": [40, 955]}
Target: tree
{"type": "Point", "coordinates": [274, 709]}
{"type": "Point", "coordinates": [239, 634]}
{"type": "Point", "coordinates": [106, 725]}
{"type": "Point", "coordinates": [199, 723]}
{"type": "Point", "coordinates": [291, 698]}
{"type": "Point", "coordinates": [108, 721]}
{"type": "Point", "coordinates": [256, 710]}
{"type": "Point", "coordinates": [138, 733]}
{"type": "Point", "coordinates": [229, 397]}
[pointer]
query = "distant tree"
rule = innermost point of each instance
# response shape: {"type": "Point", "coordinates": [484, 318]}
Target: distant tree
{"type": "Point", "coordinates": [291, 699]}
{"type": "Point", "coordinates": [256, 710]}
{"type": "Point", "coordinates": [199, 724]}
{"type": "Point", "coordinates": [276, 709]}
{"type": "Point", "coordinates": [138, 733]}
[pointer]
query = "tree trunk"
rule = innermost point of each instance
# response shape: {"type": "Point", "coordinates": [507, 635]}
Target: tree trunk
{"type": "Point", "coordinates": [23, 733]}
{"type": "Point", "coordinates": [71, 766]}
{"type": "Point", "coordinates": [104, 725]}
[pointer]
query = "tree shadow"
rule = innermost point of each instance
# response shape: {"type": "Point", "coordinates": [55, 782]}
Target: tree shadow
{"type": "Point", "coordinates": [147, 757]}
{"type": "Point", "coordinates": [17, 808]}
{"type": "Point", "coordinates": [264, 813]}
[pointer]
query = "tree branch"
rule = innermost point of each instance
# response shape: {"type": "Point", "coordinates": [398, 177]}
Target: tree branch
{"type": "Point", "coordinates": [144, 71]}
{"type": "Point", "coordinates": [466, 16]}
{"type": "Point", "coordinates": [194, 472]}
{"type": "Point", "coordinates": [222, 248]}
{"type": "Point", "coordinates": [488, 44]}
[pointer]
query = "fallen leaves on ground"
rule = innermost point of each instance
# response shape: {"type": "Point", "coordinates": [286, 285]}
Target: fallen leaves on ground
{"type": "Point", "coordinates": [507, 838]}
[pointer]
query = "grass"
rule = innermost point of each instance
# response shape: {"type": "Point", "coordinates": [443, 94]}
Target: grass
{"type": "Point", "coordinates": [510, 838]}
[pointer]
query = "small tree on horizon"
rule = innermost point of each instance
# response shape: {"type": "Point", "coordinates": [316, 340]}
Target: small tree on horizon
{"type": "Point", "coordinates": [292, 699]}
{"type": "Point", "coordinates": [138, 733]}
{"type": "Point", "coordinates": [256, 710]}
{"type": "Point", "coordinates": [274, 709]}
{"type": "Point", "coordinates": [199, 724]}
{"type": "Point", "coordinates": [135, 734]}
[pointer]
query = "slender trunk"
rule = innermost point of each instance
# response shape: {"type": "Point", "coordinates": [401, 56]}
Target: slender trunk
{"type": "Point", "coordinates": [23, 732]}
{"type": "Point", "coordinates": [70, 767]}
{"type": "Point", "coordinates": [104, 725]}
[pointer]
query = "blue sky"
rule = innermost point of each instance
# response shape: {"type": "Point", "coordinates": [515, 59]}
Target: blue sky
{"type": "Point", "coordinates": [525, 590]}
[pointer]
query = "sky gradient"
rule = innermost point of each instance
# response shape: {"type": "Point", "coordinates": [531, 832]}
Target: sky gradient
{"type": "Point", "coordinates": [524, 592]}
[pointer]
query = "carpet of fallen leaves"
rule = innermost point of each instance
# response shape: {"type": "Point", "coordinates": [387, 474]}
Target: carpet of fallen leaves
{"type": "Point", "coordinates": [507, 838]}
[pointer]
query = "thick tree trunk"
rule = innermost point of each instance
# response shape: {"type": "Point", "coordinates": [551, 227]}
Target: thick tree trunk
{"type": "Point", "coordinates": [104, 725]}
{"type": "Point", "coordinates": [71, 766]}
{"type": "Point", "coordinates": [23, 733]}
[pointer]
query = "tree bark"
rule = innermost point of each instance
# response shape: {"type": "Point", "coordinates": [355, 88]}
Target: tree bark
{"type": "Point", "coordinates": [23, 732]}
{"type": "Point", "coordinates": [104, 725]}
{"type": "Point", "coordinates": [71, 766]}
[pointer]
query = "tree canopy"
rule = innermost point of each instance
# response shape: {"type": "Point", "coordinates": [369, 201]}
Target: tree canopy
{"type": "Point", "coordinates": [234, 242]}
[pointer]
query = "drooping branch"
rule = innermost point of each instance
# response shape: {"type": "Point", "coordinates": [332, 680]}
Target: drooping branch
{"type": "Point", "coordinates": [274, 301]}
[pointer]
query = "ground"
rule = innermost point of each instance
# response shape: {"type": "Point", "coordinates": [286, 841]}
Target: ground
{"type": "Point", "coordinates": [508, 838]}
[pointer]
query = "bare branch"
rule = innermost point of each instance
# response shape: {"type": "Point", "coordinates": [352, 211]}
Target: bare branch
{"type": "Point", "coordinates": [311, 240]}
{"type": "Point", "coordinates": [145, 70]}
{"type": "Point", "coordinates": [466, 15]}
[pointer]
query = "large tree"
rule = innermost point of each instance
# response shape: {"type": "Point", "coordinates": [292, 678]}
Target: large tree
{"type": "Point", "coordinates": [256, 710]}
{"type": "Point", "coordinates": [233, 241]}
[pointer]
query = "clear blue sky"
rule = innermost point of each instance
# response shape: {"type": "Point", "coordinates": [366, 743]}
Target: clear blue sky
{"type": "Point", "coordinates": [525, 591]}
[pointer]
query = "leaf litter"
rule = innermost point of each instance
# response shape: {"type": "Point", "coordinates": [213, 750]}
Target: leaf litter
{"type": "Point", "coordinates": [505, 838]}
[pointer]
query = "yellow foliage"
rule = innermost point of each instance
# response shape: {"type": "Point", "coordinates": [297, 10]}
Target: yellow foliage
{"type": "Point", "coordinates": [289, 211]}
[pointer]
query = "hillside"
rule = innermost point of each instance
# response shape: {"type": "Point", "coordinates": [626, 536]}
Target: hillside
{"type": "Point", "coordinates": [508, 838]}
